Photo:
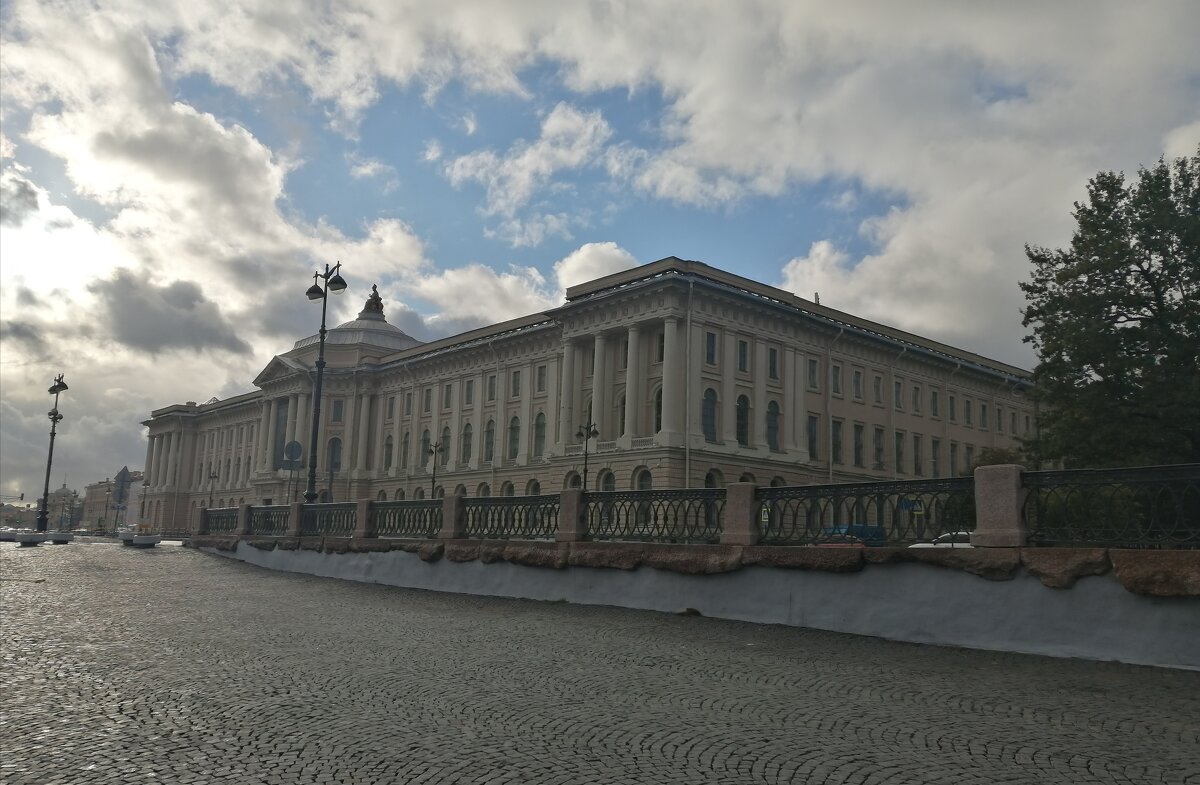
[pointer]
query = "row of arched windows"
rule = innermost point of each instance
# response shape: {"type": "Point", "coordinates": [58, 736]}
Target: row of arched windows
{"type": "Point", "coordinates": [466, 444]}
{"type": "Point", "coordinates": [709, 412]}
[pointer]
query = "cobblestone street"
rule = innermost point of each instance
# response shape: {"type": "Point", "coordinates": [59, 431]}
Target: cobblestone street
{"type": "Point", "coordinates": [173, 666]}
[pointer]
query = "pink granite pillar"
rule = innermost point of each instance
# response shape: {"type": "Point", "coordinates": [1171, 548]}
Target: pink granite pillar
{"type": "Point", "coordinates": [740, 525]}
{"type": "Point", "coordinates": [998, 501]}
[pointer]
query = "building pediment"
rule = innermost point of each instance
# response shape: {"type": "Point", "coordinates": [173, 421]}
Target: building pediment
{"type": "Point", "coordinates": [279, 368]}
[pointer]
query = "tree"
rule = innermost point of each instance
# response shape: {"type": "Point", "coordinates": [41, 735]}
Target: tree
{"type": "Point", "coordinates": [1115, 320]}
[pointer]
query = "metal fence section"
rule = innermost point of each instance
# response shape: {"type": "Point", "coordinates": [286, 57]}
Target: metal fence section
{"type": "Point", "coordinates": [1146, 507]}
{"type": "Point", "coordinates": [328, 520]}
{"type": "Point", "coordinates": [688, 515]}
{"type": "Point", "coordinates": [416, 518]}
{"type": "Point", "coordinates": [511, 517]}
{"type": "Point", "coordinates": [270, 521]}
{"type": "Point", "coordinates": [866, 513]}
{"type": "Point", "coordinates": [221, 520]}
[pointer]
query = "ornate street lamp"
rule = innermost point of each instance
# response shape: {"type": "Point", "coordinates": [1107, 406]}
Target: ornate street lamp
{"type": "Point", "coordinates": [107, 496]}
{"type": "Point", "coordinates": [55, 418]}
{"type": "Point", "coordinates": [586, 432]}
{"type": "Point", "coordinates": [212, 477]}
{"type": "Point", "coordinates": [434, 450]}
{"type": "Point", "coordinates": [331, 280]}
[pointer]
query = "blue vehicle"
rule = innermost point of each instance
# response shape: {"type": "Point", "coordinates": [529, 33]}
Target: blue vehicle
{"type": "Point", "coordinates": [862, 532]}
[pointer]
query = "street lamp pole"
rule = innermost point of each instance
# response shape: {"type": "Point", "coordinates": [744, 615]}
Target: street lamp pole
{"type": "Point", "coordinates": [331, 280]}
{"type": "Point", "coordinates": [586, 432]}
{"type": "Point", "coordinates": [107, 497]}
{"type": "Point", "coordinates": [435, 450]}
{"type": "Point", "coordinates": [55, 418]}
{"type": "Point", "coordinates": [212, 477]}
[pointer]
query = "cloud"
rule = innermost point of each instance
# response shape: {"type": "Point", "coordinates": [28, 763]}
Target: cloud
{"type": "Point", "coordinates": [591, 261]}
{"type": "Point", "coordinates": [154, 318]}
{"type": "Point", "coordinates": [366, 168]}
{"type": "Point", "coordinates": [569, 139]}
{"type": "Point", "coordinates": [18, 200]}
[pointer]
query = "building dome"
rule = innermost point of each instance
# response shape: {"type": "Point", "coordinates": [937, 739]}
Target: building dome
{"type": "Point", "coordinates": [369, 328]}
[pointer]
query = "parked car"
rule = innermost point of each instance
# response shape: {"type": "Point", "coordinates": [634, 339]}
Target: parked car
{"type": "Point", "coordinates": [947, 540]}
{"type": "Point", "coordinates": [862, 533]}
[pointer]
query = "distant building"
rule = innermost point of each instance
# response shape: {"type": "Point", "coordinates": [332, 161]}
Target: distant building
{"type": "Point", "coordinates": [693, 377]}
{"type": "Point", "coordinates": [113, 503]}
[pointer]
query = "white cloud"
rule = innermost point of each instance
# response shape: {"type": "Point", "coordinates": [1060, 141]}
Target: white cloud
{"type": "Point", "coordinates": [366, 168]}
{"type": "Point", "coordinates": [569, 139]}
{"type": "Point", "coordinates": [469, 124]}
{"type": "Point", "coordinates": [1182, 142]}
{"type": "Point", "coordinates": [591, 261]}
{"type": "Point", "coordinates": [433, 150]}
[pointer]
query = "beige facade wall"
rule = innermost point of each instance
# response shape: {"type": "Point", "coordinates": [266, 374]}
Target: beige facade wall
{"type": "Point", "coordinates": [799, 394]}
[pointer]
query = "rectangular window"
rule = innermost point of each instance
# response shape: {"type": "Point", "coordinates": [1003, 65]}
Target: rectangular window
{"type": "Point", "coordinates": [953, 458]}
{"type": "Point", "coordinates": [900, 452]}
{"type": "Point", "coordinates": [1027, 425]}
{"type": "Point", "coordinates": [999, 419]}
{"type": "Point", "coordinates": [469, 392]}
{"type": "Point", "coordinates": [916, 399]}
{"type": "Point", "coordinates": [933, 404]}
{"type": "Point", "coordinates": [877, 449]}
{"type": "Point", "coordinates": [967, 411]}
{"type": "Point", "coordinates": [983, 416]}
{"type": "Point", "coordinates": [918, 469]}
{"type": "Point", "coordinates": [743, 356]}
{"type": "Point", "coordinates": [814, 374]}
{"type": "Point", "coordinates": [541, 378]}
{"type": "Point", "coordinates": [970, 455]}
{"type": "Point", "coordinates": [877, 386]}
{"type": "Point", "coordinates": [1012, 423]}
{"type": "Point", "coordinates": [812, 437]}
{"type": "Point", "coordinates": [339, 410]}
{"type": "Point", "coordinates": [491, 387]}
{"type": "Point", "coordinates": [427, 399]}
{"type": "Point", "coordinates": [773, 363]}
{"type": "Point", "coordinates": [859, 445]}
{"type": "Point", "coordinates": [514, 384]}
{"type": "Point", "coordinates": [662, 347]}
{"type": "Point", "coordinates": [953, 409]}
{"type": "Point", "coordinates": [710, 348]}
{"type": "Point", "coordinates": [836, 437]}
{"type": "Point", "coordinates": [408, 403]}
{"type": "Point", "coordinates": [447, 395]}
{"type": "Point", "coordinates": [898, 395]}
{"type": "Point", "coordinates": [935, 456]}
{"type": "Point", "coordinates": [858, 385]}
{"type": "Point", "coordinates": [835, 379]}
{"type": "Point", "coordinates": [391, 407]}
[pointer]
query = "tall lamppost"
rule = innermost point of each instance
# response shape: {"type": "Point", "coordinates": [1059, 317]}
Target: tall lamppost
{"type": "Point", "coordinates": [142, 510]}
{"type": "Point", "coordinates": [586, 432]}
{"type": "Point", "coordinates": [331, 280]}
{"type": "Point", "coordinates": [107, 497]}
{"type": "Point", "coordinates": [434, 450]}
{"type": "Point", "coordinates": [55, 418]}
{"type": "Point", "coordinates": [212, 477]}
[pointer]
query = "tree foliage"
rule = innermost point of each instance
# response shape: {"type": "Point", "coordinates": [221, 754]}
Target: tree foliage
{"type": "Point", "coordinates": [1115, 320]}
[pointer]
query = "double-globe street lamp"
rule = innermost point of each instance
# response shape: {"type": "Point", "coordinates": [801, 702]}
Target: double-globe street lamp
{"type": "Point", "coordinates": [55, 418]}
{"type": "Point", "coordinates": [330, 281]}
{"type": "Point", "coordinates": [586, 432]}
{"type": "Point", "coordinates": [435, 450]}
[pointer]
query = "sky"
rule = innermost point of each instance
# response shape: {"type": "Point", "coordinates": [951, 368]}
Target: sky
{"type": "Point", "coordinates": [173, 172]}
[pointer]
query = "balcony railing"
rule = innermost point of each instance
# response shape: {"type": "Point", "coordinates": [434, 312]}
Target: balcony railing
{"type": "Point", "coordinates": [511, 517]}
{"type": "Point", "coordinates": [418, 518]}
{"type": "Point", "coordinates": [689, 515]}
{"type": "Point", "coordinates": [270, 521]}
{"type": "Point", "coordinates": [1146, 507]}
{"type": "Point", "coordinates": [867, 513]}
{"type": "Point", "coordinates": [328, 520]}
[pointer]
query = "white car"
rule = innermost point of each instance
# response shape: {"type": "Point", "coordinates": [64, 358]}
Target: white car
{"type": "Point", "coordinates": [947, 540]}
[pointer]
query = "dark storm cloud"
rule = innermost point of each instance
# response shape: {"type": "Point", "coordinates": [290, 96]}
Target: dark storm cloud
{"type": "Point", "coordinates": [157, 318]}
{"type": "Point", "coordinates": [26, 296]}
{"type": "Point", "coordinates": [23, 332]}
{"type": "Point", "coordinates": [18, 201]}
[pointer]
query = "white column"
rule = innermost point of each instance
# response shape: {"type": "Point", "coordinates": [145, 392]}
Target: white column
{"type": "Point", "coordinates": [599, 386]}
{"type": "Point", "coordinates": [271, 434]}
{"type": "Point", "coordinates": [633, 383]}
{"type": "Point", "coordinates": [146, 470]}
{"type": "Point", "coordinates": [397, 433]}
{"type": "Point", "coordinates": [169, 449]}
{"type": "Point", "coordinates": [303, 425]}
{"type": "Point", "coordinates": [263, 429]}
{"type": "Point", "coordinates": [479, 421]}
{"type": "Point", "coordinates": [552, 410]}
{"type": "Point", "coordinates": [566, 408]}
{"type": "Point", "coordinates": [290, 434]}
{"type": "Point", "coordinates": [453, 449]}
{"type": "Point", "coordinates": [672, 389]}
{"type": "Point", "coordinates": [525, 412]}
{"type": "Point", "coordinates": [156, 473]}
{"type": "Point", "coordinates": [758, 425]}
{"type": "Point", "coordinates": [728, 365]}
{"type": "Point", "coordinates": [364, 431]}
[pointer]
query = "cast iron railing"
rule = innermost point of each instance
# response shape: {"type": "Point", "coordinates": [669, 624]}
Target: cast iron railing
{"type": "Point", "coordinates": [1146, 507]}
{"type": "Point", "coordinates": [328, 520]}
{"type": "Point", "coordinates": [511, 517]}
{"type": "Point", "coordinates": [416, 518]}
{"type": "Point", "coordinates": [221, 520]}
{"type": "Point", "coordinates": [867, 513]}
{"type": "Point", "coordinates": [270, 521]}
{"type": "Point", "coordinates": [687, 515]}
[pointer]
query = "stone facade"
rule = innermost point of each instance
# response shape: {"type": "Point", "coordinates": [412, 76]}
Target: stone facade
{"type": "Point", "coordinates": [692, 376]}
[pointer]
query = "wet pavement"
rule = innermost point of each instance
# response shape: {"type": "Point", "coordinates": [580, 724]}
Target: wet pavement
{"type": "Point", "coordinates": [168, 665]}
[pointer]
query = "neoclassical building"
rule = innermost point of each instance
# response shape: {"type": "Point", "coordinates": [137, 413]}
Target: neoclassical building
{"type": "Point", "coordinates": [692, 377]}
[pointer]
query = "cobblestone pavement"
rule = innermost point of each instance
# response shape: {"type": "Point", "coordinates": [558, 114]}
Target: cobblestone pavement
{"type": "Point", "coordinates": [173, 666]}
